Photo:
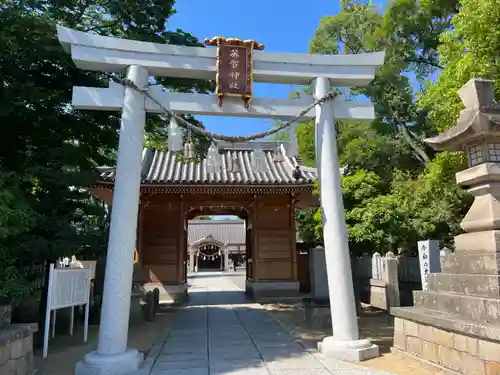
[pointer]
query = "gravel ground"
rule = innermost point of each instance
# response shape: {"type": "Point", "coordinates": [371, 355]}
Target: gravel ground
{"type": "Point", "coordinates": [65, 351]}
{"type": "Point", "coordinates": [376, 325]}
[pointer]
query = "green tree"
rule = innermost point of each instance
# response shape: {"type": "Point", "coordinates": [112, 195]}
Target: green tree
{"type": "Point", "coordinates": [51, 148]}
{"type": "Point", "coordinates": [16, 218]}
{"type": "Point", "coordinates": [469, 49]}
{"type": "Point", "coordinates": [392, 179]}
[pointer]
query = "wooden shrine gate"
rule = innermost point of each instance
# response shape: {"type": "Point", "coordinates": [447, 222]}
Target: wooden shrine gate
{"type": "Point", "coordinates": [266, 203]}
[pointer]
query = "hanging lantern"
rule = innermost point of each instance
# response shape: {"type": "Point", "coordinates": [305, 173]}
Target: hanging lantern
{"type": "Point", "coordinates": [174, 136]}
{"type": "Point", "coordinates": [259, 161]}
{"type": "Point", "coordinates": [278, 155]}
{"type": "Point", "coordinates": [293, 146]}
{"type": "Point", "coordinates": [234, 164]}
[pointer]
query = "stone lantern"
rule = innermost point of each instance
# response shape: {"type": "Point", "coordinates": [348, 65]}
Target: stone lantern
{"type": "Point", "coordinates": [477, 133]}
{"type": "Point", "coordinates": [455, 323]}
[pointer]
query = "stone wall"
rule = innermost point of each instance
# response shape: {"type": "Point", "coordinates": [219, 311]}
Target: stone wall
{"type": "Point", "coordinates": [453, 351]}
{"type": "Point", "coordinates": [16, 350]}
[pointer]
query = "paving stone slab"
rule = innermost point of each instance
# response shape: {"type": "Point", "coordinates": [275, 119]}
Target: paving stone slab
{"type": "Point", "coordinates": [188, 371]}
{"type": "Point", "coordinates": [185, 344]}
{"type": "Point", "coordinates": [188, 333]}
{"type": "Point", "coordinates": [230, 343]}
{"type": "Point", "coordinates": [273, 343]}
{"type": "Point", "coordinates": [230, 366]}
{"type": "Point", "coordinates": [181, 365]}
{"type": "Point", "coordinates": [220, 333]}
{"type": "Point", "coordinates": [291, 345]}
{"type": "Point", "coordinates": [297, 362]}
{"type": "Point", "coordinates": [184, 349]}
{"type": "Point", "coordinates": [241, 371]}
{"type": "Point", "coordinates": [190, 337]}
{"type": "Point", "coordinates": [275, 335]}
{"type": "Point", "coordinates": [242, 352]}
{"type": "Point", "coordinates": [224, 334]}
{"type": "Point", "coordinates": [269, 354]}
{"type": "Point", "coordinates": [182, 357]}
{"type": "Point", "coordinates": [314, 371]}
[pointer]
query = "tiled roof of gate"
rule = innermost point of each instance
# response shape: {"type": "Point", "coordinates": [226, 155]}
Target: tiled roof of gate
{"type": "Point", "coordinates": [160, 167]}
{"type": "Point", "coordinates": [225, 231]}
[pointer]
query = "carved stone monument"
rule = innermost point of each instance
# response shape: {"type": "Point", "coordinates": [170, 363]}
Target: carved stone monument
{"type": "Point", "coordinates": [456, 322]}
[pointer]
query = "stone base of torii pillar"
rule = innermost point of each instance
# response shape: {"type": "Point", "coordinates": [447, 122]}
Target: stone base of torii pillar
{"type": "Point", "coordinates": [123, 363]}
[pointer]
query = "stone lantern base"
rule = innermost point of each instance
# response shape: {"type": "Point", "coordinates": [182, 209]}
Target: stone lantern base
{"type": "Point", "coordinates": [455, 324]}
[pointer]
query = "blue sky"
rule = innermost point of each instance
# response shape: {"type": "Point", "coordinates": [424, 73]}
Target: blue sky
{"type": "Point", "coordinates": [281, 25]}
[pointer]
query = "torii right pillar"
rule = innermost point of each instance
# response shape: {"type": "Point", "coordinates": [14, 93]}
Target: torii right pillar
{"type": "Point", "coordinates": [455, 323]}
{"type": "Point", "coordinates": [344, 343]}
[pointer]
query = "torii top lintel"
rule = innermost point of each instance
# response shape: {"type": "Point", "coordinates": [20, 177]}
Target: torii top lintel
{"type": "Point", "coordinates": [110, 54]}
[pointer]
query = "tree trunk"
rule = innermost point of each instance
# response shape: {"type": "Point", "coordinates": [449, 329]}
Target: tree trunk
{"type": "Point", "coordinates": [42, 306]}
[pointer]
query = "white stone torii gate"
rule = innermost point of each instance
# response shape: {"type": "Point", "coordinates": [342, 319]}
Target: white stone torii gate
{"type": "Point", "coordinates": [142, 59]}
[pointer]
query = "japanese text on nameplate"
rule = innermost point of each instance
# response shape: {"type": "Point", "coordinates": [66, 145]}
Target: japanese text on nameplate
{"type": "Point", "coordinates": [234, 71]}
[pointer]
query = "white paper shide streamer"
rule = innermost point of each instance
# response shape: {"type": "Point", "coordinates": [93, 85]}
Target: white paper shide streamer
{"type": "Point", "coordinates": [213, 159]}
{"type": "Point", "coordinates": [259, 161]}
{"type": "Point", "coordinates": [293, 145]}
{"type": "Point", "coordinates": [174, 136]}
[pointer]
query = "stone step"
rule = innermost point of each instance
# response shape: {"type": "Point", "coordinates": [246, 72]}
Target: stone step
{"type": "Point", "coordinates": [471, 263]}
{"type": "Point", "coordinates": [466, 284]}
{"type": "Point", "coordinates": [478, 309]}
{"type": "Point", "coordinates": [448, 322]}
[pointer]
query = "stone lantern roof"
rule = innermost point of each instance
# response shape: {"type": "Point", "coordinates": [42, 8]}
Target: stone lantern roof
{"type": "Point", "coordinates": [479, 120]}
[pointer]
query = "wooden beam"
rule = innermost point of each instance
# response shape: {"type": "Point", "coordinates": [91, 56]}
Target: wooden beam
{"type": "Point", "coordinates": [109, 54]}
{"type": "Point", "coordinates": [111, 99]}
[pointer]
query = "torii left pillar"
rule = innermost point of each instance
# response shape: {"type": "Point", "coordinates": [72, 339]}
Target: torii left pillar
{"type": "Point", "coordinates": [112, 356]}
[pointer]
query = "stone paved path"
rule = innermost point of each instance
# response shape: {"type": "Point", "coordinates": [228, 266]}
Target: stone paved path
{"type": "Point", "coordinates": [220, 332]}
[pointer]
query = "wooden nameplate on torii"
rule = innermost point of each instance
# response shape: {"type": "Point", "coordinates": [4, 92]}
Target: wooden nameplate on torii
{"type": "Point", "coordinates": [234, 67]}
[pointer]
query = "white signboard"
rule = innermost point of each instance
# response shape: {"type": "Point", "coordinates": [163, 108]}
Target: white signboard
{"type": "Point", "coordinates": [68, 287]}
{"type": "Point", "coordinates": [429, 259]}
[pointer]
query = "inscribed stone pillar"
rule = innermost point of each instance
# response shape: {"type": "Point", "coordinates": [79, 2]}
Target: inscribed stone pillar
{"type": "Point", "coordinates": [318, 274]}
{"type": "Point", "coordinates": [429, 259]}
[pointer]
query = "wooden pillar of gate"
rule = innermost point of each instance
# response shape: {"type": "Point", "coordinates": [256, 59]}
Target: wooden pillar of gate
{"type": "Point", "coordinates": [274, 253]}
{"type": "Point", "coordinates": [163, 246]}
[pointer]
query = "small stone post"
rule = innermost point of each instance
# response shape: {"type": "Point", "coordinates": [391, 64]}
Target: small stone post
{"type": "Point", "coordinates": [226, 259]}
{"type": "Point", "coordinates": [191, 260]}
{"type": "Point", "coordinates": [390, 276]}
{"type": "Point", "coordinates": [317, 271]}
